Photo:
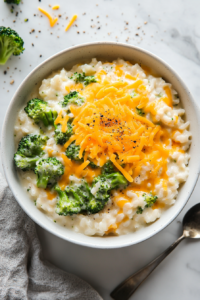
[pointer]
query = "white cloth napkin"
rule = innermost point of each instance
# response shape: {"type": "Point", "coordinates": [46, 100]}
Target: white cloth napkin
{"type": "Point", "coordinates": [23, 274]}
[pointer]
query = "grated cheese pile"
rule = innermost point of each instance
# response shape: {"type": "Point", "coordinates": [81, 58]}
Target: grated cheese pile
{"type": "Point", "coordinates": [108, 126]}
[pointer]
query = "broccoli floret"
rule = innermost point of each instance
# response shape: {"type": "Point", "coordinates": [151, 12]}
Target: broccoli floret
{"type": "Point", "coordinates": [101, 188]}
{"type": "Point", "coordinates": [149, 199]}
{"type": "Point", "coordinates": [83, 199]}
{"type": "Point", "coordinates": [73, 98]}
{"type": "Point", "coordinates": [13, 1]}
{"type": "Point", "coordinates": [92, 165]}
{"type": "Point", "coordinates": [95, 205]}
{"type": "Point", "coordinates": [25, 163]}
{"type": "Point", "coordinates": [10, 44]}
{"type": "Point", "coordinates": [101, 196]}
{"type": "Point", "coordinates": [64, 205]}
{"type": "Point", "coordinates": [39, 111]}
{"type": "Point", "coordinates": [78, 77]}
{"type": "Point", "coordinates": [140, 111]}
{"type": "Point", "coordinates": [117, 180]}
{"type": "Point", "coordinates": [72, 152]}
{"type": "Point", "coordinates": [108, 168]}
{"type": "Point", "coordinates": [89, 79]}
{"type": "Point", "coordinates": [62, 137]}
{"type": "Point", "coordinates": [73, 199]}
{"type": "Point", "coordinates": [48, 171]}
{"type": "Point", "coordinates": [139, 210]}
{"type": "Point", "coordinates": [29, 151]}
{"type": "Point", "coordinates": [32, 144]}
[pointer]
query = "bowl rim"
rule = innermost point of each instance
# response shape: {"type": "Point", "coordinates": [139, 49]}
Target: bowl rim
{"type": "Point", "coordinates": [38, 221]}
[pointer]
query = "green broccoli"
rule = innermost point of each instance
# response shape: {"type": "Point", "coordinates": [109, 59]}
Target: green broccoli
{"type": "Point", "coordinates": [73, 199]}
{"type": "Point", "coordinates": [72, 152]}
{"type": "Point", "coordinates": [32, 144]}
{"type": "Point", "coordinates": [95, 205]}
{"type": "Point", "coordinates": [62, 137]}
{"type": "Point", "coordinates": [48, 171]}
{"type": "Point", "coordinates": [25, 163]}
{"type": "Point", "coordinates": [92, 165]}
{"type": "Point", "coordinates": [117, 180]}
{"type": "Point", "coordinates": [10, 44]}
{"type": "Point", "coordinates": [73, 98]}
{"type": "Point", "coordinates": [83, 199]}
{"type": "Point", "coordinates": [29, 151]}
{"type": "Point", "coordinates": [101, 195]}
{"type": "Point", "coordinates": [108, 168]}
{"type": "Point", "coordinates": [140, 111]}
{"type": "Point", "coordinates": [13, 1]}
{"type": "Point", "coordinates": [89, 79]}
{"type": "Point", "coordinates": [39, 111]}
{"type": "Point", "coordinates": [101, 188]}
{"type": "Point", "coordinates": [139, 210]}
{"type": "Point", "coordinates": [78, 77]}
{"type": "Point", "coordinates": [64, 205]}
{"type": "Point", "coordinates": [150, 199]}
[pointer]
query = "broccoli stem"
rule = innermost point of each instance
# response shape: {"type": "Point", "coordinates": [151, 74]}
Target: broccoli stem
{"type": "Point", "coordinates": [5, 51]}
{"type": "Point", "coordinates": [49, 117]}
{"type": "Point", "coordinates": [42, 181]}
{"type": "Point", "coordinates": [62, 195]}
{"type": "Point", "coordinates": [55, 114]}
{"type": "Point", "coordinates": [44, 120]}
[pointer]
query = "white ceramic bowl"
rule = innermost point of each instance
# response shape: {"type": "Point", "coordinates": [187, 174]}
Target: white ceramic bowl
{"type": "Point", "coordinates": [106, 51]}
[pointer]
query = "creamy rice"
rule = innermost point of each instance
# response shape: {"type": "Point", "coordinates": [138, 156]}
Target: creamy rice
{"type": "Point", "coordinates": [162, 108]}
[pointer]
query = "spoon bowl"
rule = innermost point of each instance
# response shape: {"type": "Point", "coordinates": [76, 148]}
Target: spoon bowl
{"type": "Point", "coordinates": [191, 222]}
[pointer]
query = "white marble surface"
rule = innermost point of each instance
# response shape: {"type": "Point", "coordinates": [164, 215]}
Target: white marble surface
{"type": "Point", "coordinates": [172, 33]}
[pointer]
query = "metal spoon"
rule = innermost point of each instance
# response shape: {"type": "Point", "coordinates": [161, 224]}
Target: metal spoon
{"type": "Point", "coordinates": [191, 229]}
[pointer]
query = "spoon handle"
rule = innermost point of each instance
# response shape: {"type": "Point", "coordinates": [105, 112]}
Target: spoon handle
{"type": "Point", "coordinates": [124, 290]}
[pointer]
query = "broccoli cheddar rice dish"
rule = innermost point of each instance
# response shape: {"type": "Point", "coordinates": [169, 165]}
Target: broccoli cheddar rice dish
{"type": "Point", "coordinates": [102, 149]}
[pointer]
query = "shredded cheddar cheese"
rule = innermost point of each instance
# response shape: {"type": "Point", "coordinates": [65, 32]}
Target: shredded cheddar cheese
{"type": "Point", "coordinates": [55, 7]}
{"type": "Point", "coordinates": [71, 22]}
{"type": "Point", "coordinates": [108, 125]}
{"type": "Point", "coordinates": [51, 20]}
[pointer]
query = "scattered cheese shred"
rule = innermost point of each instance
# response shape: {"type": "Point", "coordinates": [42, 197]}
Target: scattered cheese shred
{"type": "Point", "coordinates": [55, 7]}
{"type": "Point", "coordinates": [52, 22]}
{"type": "Point", "coordinates": [71, 22]}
